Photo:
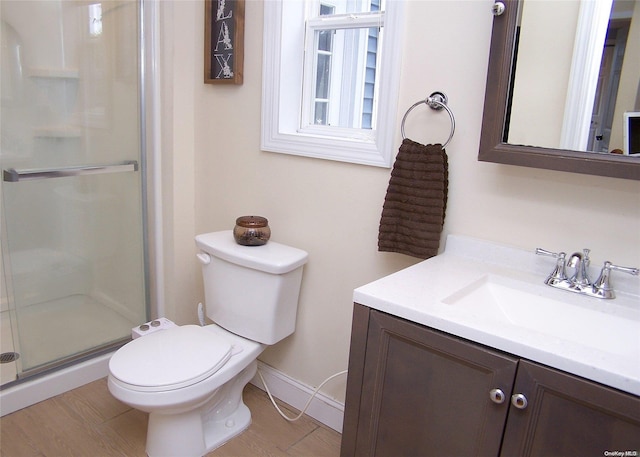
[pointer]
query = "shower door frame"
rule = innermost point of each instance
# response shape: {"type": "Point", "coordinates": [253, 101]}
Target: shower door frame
{"type": "Point", "coordinates": [151, 208]}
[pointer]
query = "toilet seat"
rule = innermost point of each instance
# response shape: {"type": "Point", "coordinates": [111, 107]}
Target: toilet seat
{"type": "Point", "coordinates": [170, 359]}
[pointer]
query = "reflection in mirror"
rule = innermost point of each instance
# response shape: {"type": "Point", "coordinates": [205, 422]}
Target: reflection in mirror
{"type": "Point", "coordinates": [559, 85]}
{"type": "Point", "coordinates": [585, 43]}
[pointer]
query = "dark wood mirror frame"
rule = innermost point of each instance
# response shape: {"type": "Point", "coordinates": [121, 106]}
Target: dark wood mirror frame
{"type": "Point", "coordinates": [492, 147]}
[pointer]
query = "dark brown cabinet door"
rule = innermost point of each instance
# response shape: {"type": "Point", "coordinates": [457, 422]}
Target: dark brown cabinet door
{"type": "Point", "coordinates": [568, 416]}
{"type": "Point", "coordinates": [425, 393]}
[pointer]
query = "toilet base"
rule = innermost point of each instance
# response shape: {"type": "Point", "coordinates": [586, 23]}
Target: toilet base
{"type": "Point", "coordinates": [197, 432]}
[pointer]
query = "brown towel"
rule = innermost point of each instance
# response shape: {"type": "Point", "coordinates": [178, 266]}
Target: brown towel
{"type": "Point", "coordinates": [416, 200]}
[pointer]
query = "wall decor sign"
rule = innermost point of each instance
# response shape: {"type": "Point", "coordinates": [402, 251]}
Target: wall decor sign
{"type": "Point", "coordinates": [223, 41]}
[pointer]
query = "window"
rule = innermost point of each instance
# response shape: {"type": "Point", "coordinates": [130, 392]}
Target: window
{"type": "Point", "coordinates": [330, 80]}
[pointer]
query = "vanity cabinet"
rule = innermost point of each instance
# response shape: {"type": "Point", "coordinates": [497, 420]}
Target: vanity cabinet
{"type": "Point", "coordinates": [415, 391]}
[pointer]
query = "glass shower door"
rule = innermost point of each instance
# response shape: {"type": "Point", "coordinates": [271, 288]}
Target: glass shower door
{"type": "Point", "coordinates": [72, 186]}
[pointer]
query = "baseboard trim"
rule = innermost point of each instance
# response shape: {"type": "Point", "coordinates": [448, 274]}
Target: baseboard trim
{"type": "Point", "coordinates": [322, 408]}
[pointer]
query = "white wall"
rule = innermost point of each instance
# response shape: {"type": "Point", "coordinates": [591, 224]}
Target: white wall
{"type": "Point", "coordinates": [215, 171]}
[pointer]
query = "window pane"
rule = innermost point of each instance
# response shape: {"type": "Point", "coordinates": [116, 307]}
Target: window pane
{"type": "Point", "coordinates": [322, 76]}
{"type": "Point", "coordinates": [324, 40]}
{"type": "Point", "coordinates": [345, 77]}
{"type": "Point", "coordinates": [320, 117]}
{"type": "Point", "coordinates": [366, 121]}
{"type": "Point", "coordinates": [326, 10]}
{"type": "Point", "coordinates": [357, 6]}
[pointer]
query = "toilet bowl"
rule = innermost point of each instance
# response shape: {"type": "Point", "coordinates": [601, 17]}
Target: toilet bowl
{"type": "Point", "coordinates": [190, 380]}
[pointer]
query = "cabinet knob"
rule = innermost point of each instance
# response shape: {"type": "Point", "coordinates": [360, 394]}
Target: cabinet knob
{"type": "Point", "coordinates": [496, 396]}
{"type": "Point", "coordinates": [519, 401]}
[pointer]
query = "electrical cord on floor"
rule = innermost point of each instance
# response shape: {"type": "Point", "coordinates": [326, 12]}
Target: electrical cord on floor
{"type": "Point", "coordinates": [293, 419]}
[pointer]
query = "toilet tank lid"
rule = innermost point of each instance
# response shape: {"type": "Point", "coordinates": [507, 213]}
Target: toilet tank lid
{"type": "Point", "coordinates": [272, 257]}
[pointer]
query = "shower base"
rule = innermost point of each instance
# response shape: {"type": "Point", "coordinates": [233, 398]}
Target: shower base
{"type": "Point", "coordinates": [36, 389]}
{"type": "Point", "coordinates": [64, 343]}
{"type": "Point", "coordinates": [53, 332]}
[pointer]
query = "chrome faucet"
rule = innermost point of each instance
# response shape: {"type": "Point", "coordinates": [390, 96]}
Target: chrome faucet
{"type": "Point", "coordinates": [579, 282]}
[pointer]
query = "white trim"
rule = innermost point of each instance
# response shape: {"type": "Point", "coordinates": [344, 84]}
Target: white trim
{"type": "Point", "coordinates": [282, 89]}
{"type": "Point", "coordinates": [322, 408]}
{"type": "Point", "coordinates": [585, 67]}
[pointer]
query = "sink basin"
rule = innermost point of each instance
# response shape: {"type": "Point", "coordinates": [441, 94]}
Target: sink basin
{"type": "Point", "coordinates": [598, 324]}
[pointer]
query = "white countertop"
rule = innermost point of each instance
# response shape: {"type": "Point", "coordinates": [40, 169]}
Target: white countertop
{"type": "Point", "coordinates": [423, 294]}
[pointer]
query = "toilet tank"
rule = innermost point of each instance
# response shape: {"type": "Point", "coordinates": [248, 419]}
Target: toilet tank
{"type": "Point", "coordinates": [251, 291]}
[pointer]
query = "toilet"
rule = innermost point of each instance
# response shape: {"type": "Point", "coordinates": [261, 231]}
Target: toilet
{"type": "Point", "coordinates": [190, 378]}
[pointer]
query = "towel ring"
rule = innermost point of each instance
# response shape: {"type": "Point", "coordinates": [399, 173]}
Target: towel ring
{"type": "Point", "coordinates": [436, 101]}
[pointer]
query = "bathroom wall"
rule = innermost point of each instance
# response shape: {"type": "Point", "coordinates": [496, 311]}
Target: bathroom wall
{"type": "Point", "coordinates": [214, 171]}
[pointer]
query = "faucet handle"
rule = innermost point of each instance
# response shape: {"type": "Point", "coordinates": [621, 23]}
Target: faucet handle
{"type": "Point", "coordinates": [602, 287]}
{"type": "Point", "coordinates": [558, 275]}
{"type": "Point", "coordinates": [541, 251]}
{"type": "Point", "coordinates": [631, 270]}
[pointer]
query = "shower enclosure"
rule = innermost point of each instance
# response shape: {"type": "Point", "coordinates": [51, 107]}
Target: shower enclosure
{"type": "Point", "coordinates": [73, 270]}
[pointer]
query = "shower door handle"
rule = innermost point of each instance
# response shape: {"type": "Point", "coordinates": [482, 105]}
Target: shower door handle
{"type": "Point", "coordinates": [13, 175]}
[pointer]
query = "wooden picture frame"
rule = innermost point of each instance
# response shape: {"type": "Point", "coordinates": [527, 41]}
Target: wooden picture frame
{"type": "Point", "coordinates": [223, 41]}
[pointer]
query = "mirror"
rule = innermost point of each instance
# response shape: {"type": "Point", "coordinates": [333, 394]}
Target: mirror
{"type": "Point", "coordinates": [504, 138]}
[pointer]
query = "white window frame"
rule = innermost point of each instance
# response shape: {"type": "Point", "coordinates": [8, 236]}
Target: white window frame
{"type": "Point", "coordinates": [282, 82]}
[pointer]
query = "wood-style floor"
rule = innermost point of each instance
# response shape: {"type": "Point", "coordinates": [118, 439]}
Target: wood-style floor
{"type": "Point", "coordinates": [89, 422]}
